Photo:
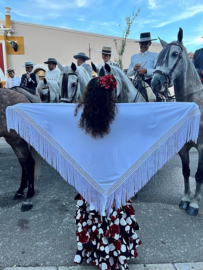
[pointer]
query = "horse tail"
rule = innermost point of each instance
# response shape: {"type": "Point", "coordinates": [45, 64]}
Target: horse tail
{"type": "Point", "coordinates": [38, 160]}
{"type": "Point", "coordinates": [64, 91]}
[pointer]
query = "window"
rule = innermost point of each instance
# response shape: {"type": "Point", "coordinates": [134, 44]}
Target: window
{"type": "Point", "coordinates": [40, 73]}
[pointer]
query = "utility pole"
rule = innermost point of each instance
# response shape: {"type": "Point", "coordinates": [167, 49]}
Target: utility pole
{"type": "Point", "coordinates": [89, 52]}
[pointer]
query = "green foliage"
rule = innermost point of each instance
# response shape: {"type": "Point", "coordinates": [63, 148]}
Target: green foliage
{"type": "Point", "coordinates": [121, 44]}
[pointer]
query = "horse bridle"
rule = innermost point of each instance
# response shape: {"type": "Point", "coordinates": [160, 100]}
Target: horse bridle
{"type": "Point", "coordinates": [169, 75]}
{"type": "Point", "coordinates": [47, 87]}
{"type": "Point", "coordinates": [76, 88]}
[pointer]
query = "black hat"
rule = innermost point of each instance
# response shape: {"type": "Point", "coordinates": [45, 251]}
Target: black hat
{"type": "Point", "coordinates": [51, 61]}
{"type": "Point", "coordinates": [145, 37]}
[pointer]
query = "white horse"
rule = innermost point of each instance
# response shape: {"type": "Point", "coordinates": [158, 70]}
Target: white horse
{"type": "Point", "coordinates": [72, 82]}
{"type": "Point", "coordinates": [48, 91]}
{"type": "Point", "coordinates": [125, 91]}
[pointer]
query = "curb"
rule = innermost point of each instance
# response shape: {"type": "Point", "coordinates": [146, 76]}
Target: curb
{"type": "Point", "coordinates": [168, 266]}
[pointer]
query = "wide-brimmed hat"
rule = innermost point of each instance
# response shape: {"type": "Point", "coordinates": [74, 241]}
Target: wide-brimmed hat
{"type": "Point", "coordinates": [51, 61]}
{"type": "Point", "coordinates": [9, 70]}
{"type": "Point", "coordinates": [81, 55]}
{"type": "Point", "coordinates": [145, 37]}
{"type": "Point", "coordinates": [29, 64]}
{"type": "Point", "coordinates": [106, 50]}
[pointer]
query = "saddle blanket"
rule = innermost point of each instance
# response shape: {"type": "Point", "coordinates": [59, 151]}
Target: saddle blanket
{"type": "Point", "coordinates": [143, 137]}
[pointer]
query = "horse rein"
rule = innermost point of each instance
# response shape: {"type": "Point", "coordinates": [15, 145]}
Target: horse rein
{"type": "Point", "coordinates": [168, 75]}
{"type": "Point", "coordinates": [74, 95]}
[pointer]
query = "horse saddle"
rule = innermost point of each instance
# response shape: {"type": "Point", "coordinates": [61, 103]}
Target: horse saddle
{"type": "Point", "coordinates": [145, 90]}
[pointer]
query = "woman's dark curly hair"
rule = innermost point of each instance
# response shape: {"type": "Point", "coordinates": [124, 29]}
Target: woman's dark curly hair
{"type": "Point", "coordinates": [99, 109]}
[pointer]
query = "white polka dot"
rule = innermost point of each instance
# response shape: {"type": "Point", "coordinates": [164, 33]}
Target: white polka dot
{"type": "Point", "coordinates": [111, 260]}
{"type": "Point", "coordinates": [107, 249]}
{"type": "Point", "coordinates": [123, 248]}
{"type": "Point", "coordinates": [116, 236]}
{"type": "Point", "coordinates": [101, 231]}
{"type": "Point", "coordinates": [124, 215]}
{"type": "Point", "coordinates": [77, 259]}
{"type": "Point", "coordinates": [122, 222]}
{"type": "Point", "coordinates": [104, 266]}
{"type": "Point", "coordinates": [89, 222]}
{"type": "Point", "coordinates": [127, 228]}
{"type": "Point", "coordinates": [115, 253]}
{"type": "Point", "coordinates": [111, 247]}
{"type": "Point", "coordinates": [102, 248]}
{"type": "Point", "coordinates": [116, 221]}
{"type": "Point", "coordinates": [80, 202]}
{"type": "Point", "coordinates": [105, 240]}
{"type": "Point", "coordinates": [129, 220]}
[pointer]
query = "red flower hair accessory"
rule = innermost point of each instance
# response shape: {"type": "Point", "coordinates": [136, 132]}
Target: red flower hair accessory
{"type": "Point", "coordinates": [108, 81]}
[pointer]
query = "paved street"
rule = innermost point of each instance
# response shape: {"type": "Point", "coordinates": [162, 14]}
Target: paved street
{"type": "Point", "coordinates": [45, 236]}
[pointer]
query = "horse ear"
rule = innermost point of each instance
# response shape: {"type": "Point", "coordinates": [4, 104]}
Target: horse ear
{"type": "Point", "coordinates": [94, 67]}
{"type": "Point", "coordinates": [102, 72]}
{"type": "Point", "coordinates": [107, 67]}
{"type": "Point", "coordinates": [163, 43]}
{"type": "Point", "coordinates": [180, 35]}
{"type": "Point", "coordinates": [45, 81]}
{"type": "Point", "coordinates": [73, 67]}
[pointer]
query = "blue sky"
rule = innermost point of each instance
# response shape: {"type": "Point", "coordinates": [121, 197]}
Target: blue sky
{"type": "Point", "coordinates": [161, 17]}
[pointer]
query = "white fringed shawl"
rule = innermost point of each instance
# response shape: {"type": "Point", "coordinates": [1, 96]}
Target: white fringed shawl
{"type": "Point", "coordinates": [143, 137]}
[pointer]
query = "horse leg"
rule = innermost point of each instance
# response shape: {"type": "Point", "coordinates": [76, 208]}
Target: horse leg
{"type": "Point", "coordinates": [194, 205]}
{"type": "Point", "coordinates": [20, 148]}
{"type": "Point", "coordinates": [184, 155]}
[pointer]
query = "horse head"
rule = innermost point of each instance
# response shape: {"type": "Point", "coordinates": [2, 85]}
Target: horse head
{"type": "Point", "coordinates": [48, 91]}
{"type": "Point", "coordinates": [72, 83]}
{"type": "Point", "coordinates": [107, 69]}
{"type": "Point", "coordinates": [171, 64]}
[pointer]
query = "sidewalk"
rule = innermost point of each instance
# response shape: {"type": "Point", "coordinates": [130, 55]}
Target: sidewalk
{"type": "Point", "coordinates": [176, 266]}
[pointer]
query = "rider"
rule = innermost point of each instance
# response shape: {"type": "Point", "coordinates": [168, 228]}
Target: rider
{"type": "Point", "coordinates": [143, 63]}
{"type": "Point", "coordinates": [198, 62]}
{"type": "Point", "coordinates": [29, 79]}
{"type": "Point", "coordinates": [81, 61]}
{"type": "Point", "coordinates": [53, 74]}
{"type": "Point", "coordinates": [106, 56]}
{"type": "Point", "coordinates": [13, 80]}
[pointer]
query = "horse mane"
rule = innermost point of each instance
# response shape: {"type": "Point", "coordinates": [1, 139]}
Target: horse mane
{"type": "Point", "coordinates": [121, 77]}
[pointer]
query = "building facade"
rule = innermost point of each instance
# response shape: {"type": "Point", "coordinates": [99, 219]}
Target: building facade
{"type": "Point", "coordinates": [39, 42]}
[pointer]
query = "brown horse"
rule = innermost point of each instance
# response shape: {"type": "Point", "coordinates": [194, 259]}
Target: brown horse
{"type": "Point", "coordinates": [22, 150]}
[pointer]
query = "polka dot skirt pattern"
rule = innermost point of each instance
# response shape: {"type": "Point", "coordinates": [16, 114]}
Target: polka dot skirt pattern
{"type": "Point", "coordinates": [106, 242]}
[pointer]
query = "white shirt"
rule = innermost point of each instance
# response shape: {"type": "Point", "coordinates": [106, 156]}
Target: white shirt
{"type": "Point", "coordinates": [11, 82]}
{"type": "Point", "coordinates": [53, 75]}
{"type": "Point", "coordinates": [146, 59]}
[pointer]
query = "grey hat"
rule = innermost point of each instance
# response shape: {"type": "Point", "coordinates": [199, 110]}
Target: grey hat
{"type": "Point", "coordinates": [144, 37]}
{"type": "Point", "coordinates": [28, 64]}
{"type": "Point", "coordinates": [81, 55]}
{"type": "Point", "coordinates": [51, 60]}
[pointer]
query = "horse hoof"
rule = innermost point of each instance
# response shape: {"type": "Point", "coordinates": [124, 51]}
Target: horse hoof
{"type": "Point", "coordinates": [18, 196]}
{"type": "Point", "coordinates": [184, 205]}
{"type": "Point", "coordinates": [26, 206]}
{"type": "Point", "coordinates": [191, 211]}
